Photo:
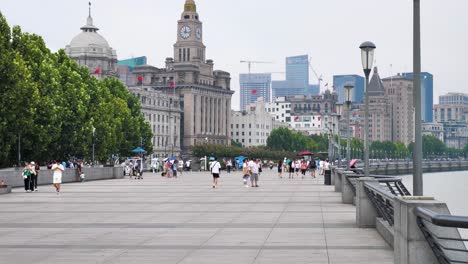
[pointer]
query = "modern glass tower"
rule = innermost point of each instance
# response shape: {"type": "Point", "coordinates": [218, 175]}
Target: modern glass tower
{"type": "Point", "coordinates": [339, 82]}
{"type": "Point", "coordinates": [253, 86]}
{"type": "Point", "coordinates": [297, 79]}
{"type": "Point", "coordinates": [427, 94]}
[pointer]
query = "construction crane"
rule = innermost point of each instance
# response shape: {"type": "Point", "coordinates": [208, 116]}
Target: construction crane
{"type": "Point", "coordinates": [250, 62]}
{"type": "Point", "coordinates": [319, 77]}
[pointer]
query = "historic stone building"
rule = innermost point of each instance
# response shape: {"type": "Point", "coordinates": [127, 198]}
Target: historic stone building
{"type": "Point", "coordinates": [93, 51]}
{"type": "Point", "coordinates": [399, 91]}
{"type": "Point", "coordinates": [203, 94]}
{"type": "Point", "coordinates": [163, 113]}
{"type": "Point", "coordinates": [253, 126]}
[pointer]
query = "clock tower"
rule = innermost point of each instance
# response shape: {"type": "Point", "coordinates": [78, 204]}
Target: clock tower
{"type": "Point", "coordinates": [189, 46]}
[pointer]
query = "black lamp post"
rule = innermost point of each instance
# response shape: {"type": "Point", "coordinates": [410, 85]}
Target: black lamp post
{"type": "Point", "coordinates": [349, 89]}
{"type": "Point", "coordinates": [367, 58]}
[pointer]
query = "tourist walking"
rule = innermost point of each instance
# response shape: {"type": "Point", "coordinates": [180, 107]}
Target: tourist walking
{"type": "Point", "coordinates": [303, 168]}
{"type": "Point", "coordinates": [255, 168]}
{"type": "Point", "coordinates": [291, 168]}
{"type": "Point", "coordinates": [246, 172]}
{"type": "Point", "coordinates": [32, 167]}
{"type": "Point", "coordinates": [58, 170]}
{"type": "Point", "coordinates": [228, 165]}
{"type": "Point", "coordinates": [280, 168]}
{"type": "Point", "coordinates": [35, 176]}
{"type": "Point", "coordinates": [312, 167]}
{"type": "Point", "coordinates": [215, 171]}
{"type": "Point", "coordinates": [27, 177]}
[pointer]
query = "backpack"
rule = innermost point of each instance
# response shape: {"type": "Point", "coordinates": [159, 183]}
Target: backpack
{"type": "Point", "coordinates": [304, 166]}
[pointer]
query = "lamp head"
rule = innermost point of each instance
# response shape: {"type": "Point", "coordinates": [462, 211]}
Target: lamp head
{"type": "Point", "coordinates": [367, 55]}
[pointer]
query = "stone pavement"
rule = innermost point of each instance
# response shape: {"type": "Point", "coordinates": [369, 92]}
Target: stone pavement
{"type": "Point", "coordinates": [184, 220]}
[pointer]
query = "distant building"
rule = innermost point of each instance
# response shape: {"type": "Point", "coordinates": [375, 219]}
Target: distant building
{"type": "Point", "coordinates": [93, 51]}
{"type": "Point", "coordinates": [162, 111]}
{"type": "Point", "coordinates": [380, 111]}
{"type": "Point", "coordinates": [125, 69]}
{"type": "Point", "coordinates": [202, 93]}
{"type": "Point", "coordinates": [133, 62]}
{"type": "Point", "coordinates": [306, 114]}
{"type": "Point", "coordinates": [339, 82]}
{"type": "Point", "coordinates": [434, 129]}
{"type": "Point", "coordinates": [399, 91]}
{"type": "Point", "coordinates": [452, 112]}
{"type": "Point", "coordinates": [252, 87]}
{"type": "Point", "coordinates": [452, 107]}
{"type": "Point", "coordinates": [297, 79]}
{"type": "Point", "coordinates": [253, 126]}
{"type": "Point", "coordinates": [427, 94]}
{"type": "Point", "coordinates": [280, 109]}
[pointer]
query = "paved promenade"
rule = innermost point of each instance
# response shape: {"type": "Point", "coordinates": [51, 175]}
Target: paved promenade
{"type": "Point", "coordinates": [184, 220]}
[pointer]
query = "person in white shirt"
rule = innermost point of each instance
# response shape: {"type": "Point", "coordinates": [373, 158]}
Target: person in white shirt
{"type": "Point", "coordinates": [58, 170]}
{"type": "Point", "coordinates": [215, 170]}
{"type": "Point", "coordinates": [255, 168]}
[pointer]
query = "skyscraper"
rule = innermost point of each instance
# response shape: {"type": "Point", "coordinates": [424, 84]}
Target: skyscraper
{"type": "Point", "coordinates": [427, 94]}
{"type": "Point", "coordinates": [252, 87]}
{"type": "Point", "coordinates": [339, 82]}
{"type": "Point", "coordinates": [297, 79]}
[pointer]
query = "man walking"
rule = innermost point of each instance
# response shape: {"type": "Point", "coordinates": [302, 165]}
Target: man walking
{"type": "Point", "coordinates": [215, 170]}
{"type": "Point", "coordinates": [255, 168]}
{"type": "Point", "coordinates": [58, 170]}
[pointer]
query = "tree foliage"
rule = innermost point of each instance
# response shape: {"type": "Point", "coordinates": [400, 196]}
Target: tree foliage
{"type": "Point", "coordinates": [50, 105]}
{"type": "Point", "coordinates": [284, 139]}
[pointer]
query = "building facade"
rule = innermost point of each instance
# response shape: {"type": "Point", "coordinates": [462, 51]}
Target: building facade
{"type": "Point", "coordinates": [92, 50]}
{"type": "Point", "coordinates": [297, 79]}
{"type": "Point", "coordinates": [280, 109]}
{"type": "Point", "coordinates": [427, 94]}
{"type": "Point", "coordinates": [434, 129]}
{"type": "Point", "coordinates": [203, 94]}
{"type": "Point", "coordinates": [357, 95]}
{"type": "Point", "coordinates": [163, 113]}
{"type": "Point", "coordinates": [252, 87]}
{"type": "Point", "coordinates": [253, 126]}
{"type": "Point", "coordinates": [452, 107]}
{"type": "Point", "coordinates": [399, 91]}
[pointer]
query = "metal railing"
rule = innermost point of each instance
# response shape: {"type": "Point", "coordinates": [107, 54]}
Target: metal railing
{"type": "Point", "coordinates": [447, 249]}
{"type": "Point", "coordinates": [382, 201]}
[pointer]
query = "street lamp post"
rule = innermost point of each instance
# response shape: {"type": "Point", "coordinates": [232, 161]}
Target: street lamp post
{"type": "Point", "coordinates": [367, 58]}
{"type": "Point", "coordinates": [339, 109]}
{"type": "Point", "coordinates": [417, 156]}
{"type": "Point", "coordinates": [94, 130]}
{"type": "Point", "coordinates": [349, 89]}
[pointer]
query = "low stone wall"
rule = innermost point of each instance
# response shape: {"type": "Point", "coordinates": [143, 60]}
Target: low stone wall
{"type": "Point", "coordinates": [14, 178]}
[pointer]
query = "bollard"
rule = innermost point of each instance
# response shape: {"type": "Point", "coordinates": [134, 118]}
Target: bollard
{"type": "Point", "coordinates": [347, 193]}
{"type": "Point", "coordinates": [365, 211]}
{"type": "Point", "coordinates": [338, 180]}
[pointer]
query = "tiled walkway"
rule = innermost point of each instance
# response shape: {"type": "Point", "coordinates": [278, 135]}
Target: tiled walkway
{"type": "Point", "coordinates": [184, 220]}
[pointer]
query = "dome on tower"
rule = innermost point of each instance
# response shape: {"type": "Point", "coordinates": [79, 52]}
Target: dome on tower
{"type": "Point", "coordinates": [92, 50]}
{"type": "Point", "coordinates": [190, 6]}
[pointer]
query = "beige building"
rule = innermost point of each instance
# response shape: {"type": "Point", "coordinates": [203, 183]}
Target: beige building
{"type": "Point", "coordinates": [433, 129]}
{"type": "Point", "coordinates": [380, 111]}
{"type": "Point", "coordinates": [204, 93]}
{"type": "Point", "coordinates": [93, 51]}
{"type": "Point", "coordinates": [253, 126]}
{"type": "Point", "coordinates": [399, 91]}
{"type": "Point", "coordinates": [163, 113]}
{"type": "Point", "coordinates": [452, 107]}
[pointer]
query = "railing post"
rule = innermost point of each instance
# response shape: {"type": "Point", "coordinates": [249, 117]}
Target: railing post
{"type": "Point", "coordinates": [333, 172]}
{"type": "Point", "coordinates": [410, 246]}
{"type": "Point", "coordinates": [347, 193]}
{"type": "Point", "coordinates": [365, 211]}
{"type": "Point", "coordinates": [338, 179]}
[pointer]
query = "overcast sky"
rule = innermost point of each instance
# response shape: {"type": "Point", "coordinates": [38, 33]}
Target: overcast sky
{"type": "Point", "coordinates": [329, 31]}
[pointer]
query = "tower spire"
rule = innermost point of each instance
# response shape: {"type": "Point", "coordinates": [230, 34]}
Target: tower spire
{"type": "Point", "coordinates": [89, 9]}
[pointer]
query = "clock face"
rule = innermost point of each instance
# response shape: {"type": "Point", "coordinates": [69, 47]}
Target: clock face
{"type": "Point", "coordinates": [199, 33]}
{"type": "Point", "coordinates": [185, 32]}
